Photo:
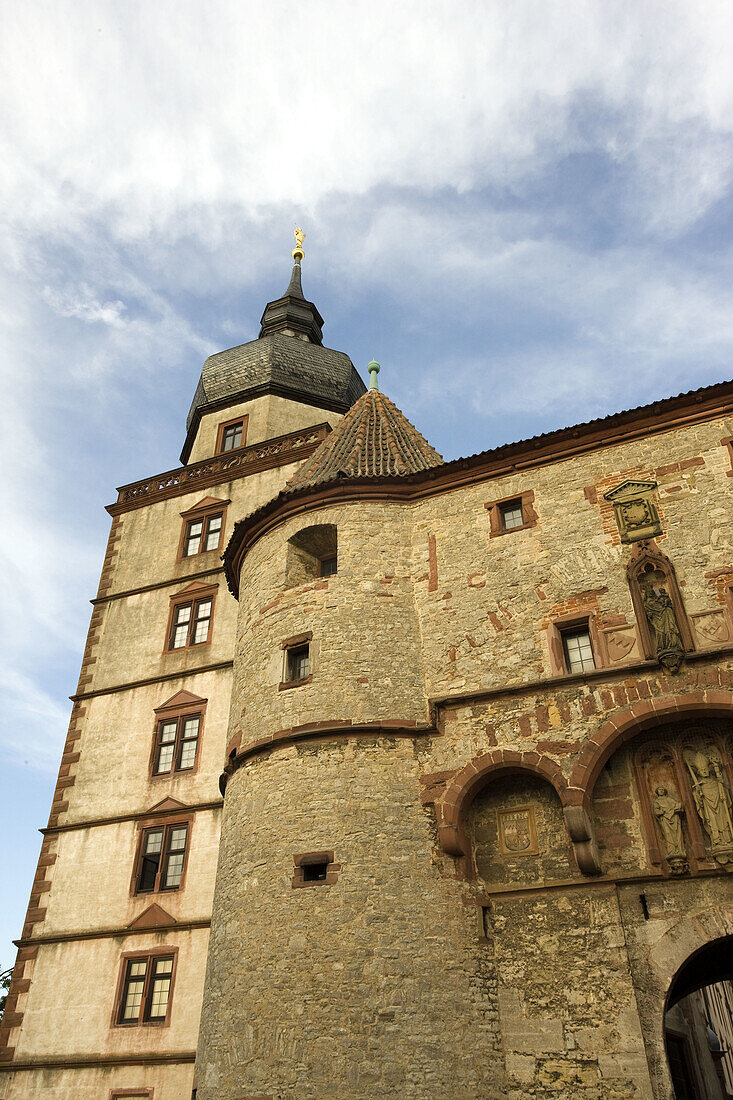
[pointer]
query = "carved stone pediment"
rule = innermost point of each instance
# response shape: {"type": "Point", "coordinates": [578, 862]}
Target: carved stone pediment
{"type": "Point", "coordinates": [635, 511]}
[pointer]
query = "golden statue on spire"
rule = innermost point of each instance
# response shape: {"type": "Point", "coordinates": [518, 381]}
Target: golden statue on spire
{"type": "Point", "coordinates": [298, 252]}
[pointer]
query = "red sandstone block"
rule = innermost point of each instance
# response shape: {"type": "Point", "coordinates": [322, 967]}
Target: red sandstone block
{"type": "Point", "coordinates": [588, 705]}
{"type": "Point", "coordinates": [525, 725]}
{"type": "Point", "coordinates": [573, 796]}
{"type": "Point", "coordinates": [531, 760]}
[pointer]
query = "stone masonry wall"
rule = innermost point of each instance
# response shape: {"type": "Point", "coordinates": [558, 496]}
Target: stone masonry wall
{"type": "Point", "coordinates": [432, 620]}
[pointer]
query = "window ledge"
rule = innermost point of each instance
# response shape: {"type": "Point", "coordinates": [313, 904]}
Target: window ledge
{"type": "Point", "coordinates": [294, 683]}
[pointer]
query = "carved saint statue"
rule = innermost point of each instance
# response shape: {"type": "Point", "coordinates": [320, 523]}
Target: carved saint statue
{"type": "Point", "coordinates": [712, 796]}
{"type": "Point", "coordinates": [668, 812]}
{"type": "Point", "coordinates": [663, 622]}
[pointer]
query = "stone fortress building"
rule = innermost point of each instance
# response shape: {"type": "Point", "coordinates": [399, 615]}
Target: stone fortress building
{"type": "Point", "coordinates": [424, 791]}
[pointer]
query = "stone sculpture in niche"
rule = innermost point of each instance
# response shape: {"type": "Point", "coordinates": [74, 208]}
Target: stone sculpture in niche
{"type": "Point", "coordinates": [668, 811]}
{"type": "Point", "coordinates": [660, 612]}
{"type": "Point", "coordinates": [661, 617]}
{"type": "Point", "coordinates": [712, 797]}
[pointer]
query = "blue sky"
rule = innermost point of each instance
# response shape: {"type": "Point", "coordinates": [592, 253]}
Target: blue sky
{"type": "Point", "coordinates": [522, 210]}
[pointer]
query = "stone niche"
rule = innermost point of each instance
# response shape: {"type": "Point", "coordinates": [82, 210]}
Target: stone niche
{"type": "Point", "coordinates": [664, 802]}
{"type": "Point", "coordinates": [617, 817]}
{"type": "Point", "coordinates": [518, 833]}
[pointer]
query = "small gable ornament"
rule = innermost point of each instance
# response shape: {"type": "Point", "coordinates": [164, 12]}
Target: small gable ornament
{"type": "Point", "coordinates": [635, 511]}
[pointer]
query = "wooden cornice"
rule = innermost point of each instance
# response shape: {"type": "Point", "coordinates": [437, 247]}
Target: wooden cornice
{"type": "Point", "coordinates": [542, 450]}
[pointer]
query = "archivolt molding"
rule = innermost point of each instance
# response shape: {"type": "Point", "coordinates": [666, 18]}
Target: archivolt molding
{"type": "Point", "coordinates": [451, 809]}
{"type": "Point", "coordinates": [635, 719]}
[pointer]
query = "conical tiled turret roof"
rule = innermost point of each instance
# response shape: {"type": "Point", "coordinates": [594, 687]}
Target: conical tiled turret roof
{"type": "Point", "coordinates": [374, 439]}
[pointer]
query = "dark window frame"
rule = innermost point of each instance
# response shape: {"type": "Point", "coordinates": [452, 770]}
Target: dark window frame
{"type": "Point", "coordinates": [524, 500]}
{"type": "Point", "coordinates": [151, 959]}
{"type": "Point", "coordinates": [166, 826]}
{"type": "Point", "coordinates": [180, 718]}
{"type": "Point", "coordinates": [290, 647]}
{"type": "Point", "coordinates": [192, 598]}
{"type": "Point", "coordinates": [582, 622]}
{"type": "Point", "coordinates": [226, 426]}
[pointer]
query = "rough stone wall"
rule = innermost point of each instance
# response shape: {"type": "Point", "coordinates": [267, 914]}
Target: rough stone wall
{"type": "Point", "coordinates": [373, 986]}
{"type": "Point", "coordinates": [426, 608]}
{"type": "Point", "coordinates": [485, 602]}
{"type": "Point", "coordinates": [365, 653]}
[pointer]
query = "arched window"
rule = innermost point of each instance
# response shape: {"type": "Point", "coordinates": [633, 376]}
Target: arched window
{"type": "Point", "coordinates": [312, 553]}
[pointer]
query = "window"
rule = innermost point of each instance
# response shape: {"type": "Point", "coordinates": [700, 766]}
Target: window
{"type": "Point", "coordinates": [161, 858]}
{"type": "Point", "coordinates": [315, 869]}
{"type": "Point", "coordinates": [203, 527]}
{"type": "Point", "coordinates": [511, 514]}
{"type": "Point", "coordinates": [176, 744]}
{"type": "Point", "coordinates": [297, 663]}
{"type": "Point", "coordinates": [145, 991]}
{"type": "Point", "coordinates": [190, 617]}
{"type": "Point", "coordinates": [191, 623]}
{"type": "Point", "coordinates": [202, 535]}
{"type": "Point", "coordinates": [232, 435]}
{"type": "Point", "coordinates": [578, 650]}
{"type": "Point", "coordinates": [312, 553]}
{"type": "Point", "coordinates": [329, 566]}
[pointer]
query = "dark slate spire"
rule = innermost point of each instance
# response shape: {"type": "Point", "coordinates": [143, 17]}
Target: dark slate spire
{"type": "Point", "coordinates": [374, 439]}
{"type": "Point", "coordinates": [292, 314]}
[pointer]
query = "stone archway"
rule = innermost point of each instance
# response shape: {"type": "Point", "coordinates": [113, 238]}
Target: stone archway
{"type": "Point", "coordinates": [675, 958]}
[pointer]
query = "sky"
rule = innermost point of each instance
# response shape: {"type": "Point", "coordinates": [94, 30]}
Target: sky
{"type": "Point", "coordinates": [522, 210]}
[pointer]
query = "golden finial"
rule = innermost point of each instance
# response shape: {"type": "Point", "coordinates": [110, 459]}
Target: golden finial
{"type": "Point", "coordinates": [298, 252]}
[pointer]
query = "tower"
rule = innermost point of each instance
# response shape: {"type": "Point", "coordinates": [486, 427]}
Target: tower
{"type": "Point", "coordinates": [106, 991]}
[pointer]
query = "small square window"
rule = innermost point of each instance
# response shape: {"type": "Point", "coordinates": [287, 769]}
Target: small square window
{"type": "Point", "coordinates": [297, 663]}
{"type": "Point", "coordinates": [315, 872]}
{"type": "Point", "coordinates": [511, 514]}
{"type": "Point", "coordinates": [578, 650]}
{"type": "Point", "coordinates": [315, 869]}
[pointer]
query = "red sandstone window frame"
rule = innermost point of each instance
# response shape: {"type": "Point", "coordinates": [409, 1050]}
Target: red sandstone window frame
{"type": "Point", "coordinates": [193, 596]}
{"type": "Point", "coordinates": [309, 859]}
{"type": "Point", "coordinates": [221, 430]}
{"type": "Point", "coordinates": [179, 715]}
{"type": "Point", "coordinates": [166, 825]}
{"type": "Point", "coordinates": [299, 641]}
{"type": "Point", "coordinates": [150, 958]}
{"type": "Point", "coordinates": [567, 624]}
{"type": "Point", "coordinates": [495, 508]}
{"type": "Point", "coordinates": [202, 513]}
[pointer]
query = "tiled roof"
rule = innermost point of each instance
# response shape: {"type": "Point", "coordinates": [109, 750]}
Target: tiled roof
{"type": "Point", "coordinates": [374, 439]}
